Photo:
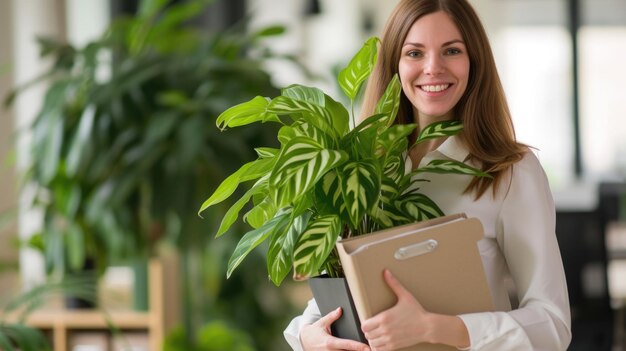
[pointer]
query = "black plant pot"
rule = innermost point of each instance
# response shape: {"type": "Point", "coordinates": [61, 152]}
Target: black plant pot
{"type": "Point", "coordinates": [330, 293]}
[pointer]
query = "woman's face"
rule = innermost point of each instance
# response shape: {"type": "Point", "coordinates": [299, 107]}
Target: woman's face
{"type": "Point", "coordinates": [434, 67]}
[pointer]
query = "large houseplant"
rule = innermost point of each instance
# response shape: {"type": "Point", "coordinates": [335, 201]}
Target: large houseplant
{"type": "Point", "coordinates": [327, 180]}
{"type": "Point", "coordinates": [121, 160]}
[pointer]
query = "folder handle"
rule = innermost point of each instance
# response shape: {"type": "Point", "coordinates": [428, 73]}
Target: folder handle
{"type": "Point", "coordinates": [414, 250]}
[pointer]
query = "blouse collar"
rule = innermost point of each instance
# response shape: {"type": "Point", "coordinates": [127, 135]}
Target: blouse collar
{"type": "Point", "coordinates": [453, 148]}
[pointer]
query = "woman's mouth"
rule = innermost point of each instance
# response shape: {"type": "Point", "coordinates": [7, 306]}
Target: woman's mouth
{"type": "Point", "coordinates": [434, 88]}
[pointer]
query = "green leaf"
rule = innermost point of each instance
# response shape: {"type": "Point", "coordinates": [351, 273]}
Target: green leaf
{"type": "Point", "coordinates": [305, 129]}
{"type": "Point", "coordinates": [315, 245]}
{"type": "Point", "coordinates": [249, 171]}
{"type": "Point", "coordinates": [261, 212]}
{"type": "Point", "coordinates": [329, 199]}
{"type": "Point", "coordinates": [149, 8]}
{"type": "Point", "coordinates": [80, 141]}
{"type": "Point", "coordinates": [51, 149]}
{"type": "Point", "coordinates": [450, 167]}
{"type": "Point", "coordinates": [233, 212]}
{"type": "Point", "coordinates": [339, 115]}
{"type": "Point", "coordinates": [389, 103]}
{"type": "Point", "coordinates": [352, 77]}
{"type": "Point", "coordinates": [26, 338]}
{"type": "Point", "coordinates": [299, 109]}
{"type": "Point", "coordinates": [75, 240]}
{"type": "Point", "coordinates": [306, 94]}
{"type": "Point", "coordinates": [360, 187]}
{"type": "Point", "coordinates": [269, 31]}
{"type": "Point", "coordinates": [4, 340]}
{"type": "Point", "coordinates": [439, 129]}
{"type": "Point", "coordinates": [286, 133]}
{"type": "Point", "coordinates": [282, 244]}
{"type": "Point", "coordinates": [245, 113]}
{"type": "Point", "coordinates": [388, 216]}
{"type": "Point", "coordinates": [300, 165]}
{"type": "Point", "coordinates": [266, 152]}
{"type": "Point", "coordinates": [419, 207]}
{"type": "Point", "coordinates": [394, 135]}
{"type": "Point", "coordinates": [255, 237]}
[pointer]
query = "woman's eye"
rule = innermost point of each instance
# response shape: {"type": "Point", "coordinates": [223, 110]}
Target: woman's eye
{"type": "Point", "coordinates": [452, 51]}
{"type": "Point", "coordinates": [414, 53]}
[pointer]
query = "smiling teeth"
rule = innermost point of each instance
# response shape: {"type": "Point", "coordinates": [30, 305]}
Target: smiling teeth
{"type": "Point", "coordinates": [435, 88]}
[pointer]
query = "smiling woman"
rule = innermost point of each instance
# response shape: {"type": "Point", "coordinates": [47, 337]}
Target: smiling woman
{"type": "Point", "coordinates": [441, 53]}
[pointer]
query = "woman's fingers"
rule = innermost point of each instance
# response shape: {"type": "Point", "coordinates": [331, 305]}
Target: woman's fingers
{"type": "Point", "coordinates": [329, 318]}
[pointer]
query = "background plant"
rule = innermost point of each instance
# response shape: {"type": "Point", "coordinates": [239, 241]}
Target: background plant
{"type": "Point", "coordinates": [326, 179]}
{"type": "Point", "coordinates": [124, 149]}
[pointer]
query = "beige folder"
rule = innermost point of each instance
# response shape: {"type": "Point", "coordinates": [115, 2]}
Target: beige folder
{"type": "Point", "coordinates": [437, 260]}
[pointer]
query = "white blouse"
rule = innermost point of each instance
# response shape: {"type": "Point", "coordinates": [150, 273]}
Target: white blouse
{"type": "Point", "coordinates": [519, 250]}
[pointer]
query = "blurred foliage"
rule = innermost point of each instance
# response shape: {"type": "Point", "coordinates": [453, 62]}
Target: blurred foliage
{"type": "Point", "coordinates": [125, 148]}
{"type": "Point", "coordinates": [214, 336]}
{"type": "Point", "coordinates": [15, 334]}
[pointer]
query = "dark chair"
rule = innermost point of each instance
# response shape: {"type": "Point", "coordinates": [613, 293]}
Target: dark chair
{"type": "Point", "coordinates": [581, 236]}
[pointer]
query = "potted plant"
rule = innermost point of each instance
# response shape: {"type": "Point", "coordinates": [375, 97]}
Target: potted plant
{"type": "Point", "coordinates": [327, 180]}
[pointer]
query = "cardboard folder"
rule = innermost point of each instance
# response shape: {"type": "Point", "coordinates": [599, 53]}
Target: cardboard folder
{"type": "Point", "coordinates": [437, 260]}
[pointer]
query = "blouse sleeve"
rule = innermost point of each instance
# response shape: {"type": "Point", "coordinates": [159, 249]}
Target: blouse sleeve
{"type": "Point", "coordinates": [526, 235]}
{"type": "Point", "coordinates": [292, 332]}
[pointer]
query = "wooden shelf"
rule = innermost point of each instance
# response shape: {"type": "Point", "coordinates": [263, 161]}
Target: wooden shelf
{"type": "Point", "coordinates": [155, 323]}
{"type": "Point", "coordinates": [89, 319]}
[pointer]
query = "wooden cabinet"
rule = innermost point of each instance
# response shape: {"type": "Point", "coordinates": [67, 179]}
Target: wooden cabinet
{"type": "Point", "coordinates": [117, 327]}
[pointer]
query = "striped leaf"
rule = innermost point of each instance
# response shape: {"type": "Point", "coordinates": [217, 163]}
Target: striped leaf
{"type": "Point", "coordinates": [305, 129]}
{"type": "Point", "coordinates": [439, 129]}
{"type": "Point", "coordinates": [360, 187]}
{"type": "Point", "coordinates": [302, 93]}
{"type": "Point", "coordinates": [315, 245]}
{"type": "Point", "coordinates": [388, 216]}
{"type": "Point", "coordinates": [249, 171]}
{"type": "Point", "coordinates": [314, 114]}
{"type": "Point", "coordinates": [255, 237]}
{"type": "Point", "coordinates": [352, 77]}
{"type": "Point", "coordinates": [266, 152]}
{"type": "Point", "coordinates": [395, 167]}
{"type": "Point", "coordinates": [395, 136]}
{"type": "Point", "coordinates": [301, 163]}
{"type": "Point", "coordinates": [418, 207]}
{"type": "Point", "coordinates": [261, 212]}
{"type": "Point", "coordinates": [450, 166]}
{"type": "Point", "coordinates": [389, 103]}
{"type": "Point", "coordinates": [245, 113]}
{"type": "Point", "coordinates": [286, 133]}
{"type": "Point", "coordinates": [282, 245]}
{"type": "Point", "coordinates": [328, 197]}
{"type": "Point", "coordinates": [233, 212]}
{"type": "Point", "coordinates": [339, 114]}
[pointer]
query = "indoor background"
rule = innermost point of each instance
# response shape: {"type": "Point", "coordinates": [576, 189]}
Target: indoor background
{"type": "Point", "coordinates": [561, 64]}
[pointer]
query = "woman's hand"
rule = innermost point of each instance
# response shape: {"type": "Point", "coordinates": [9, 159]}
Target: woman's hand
{"type": "Point", "coordinates": [406, 323]}
{"type": "Point", "coordinates": [317, 336]}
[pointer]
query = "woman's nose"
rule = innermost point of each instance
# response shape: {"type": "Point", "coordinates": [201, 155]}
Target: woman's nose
{"type": "Point", "coordinates": [433, 65]}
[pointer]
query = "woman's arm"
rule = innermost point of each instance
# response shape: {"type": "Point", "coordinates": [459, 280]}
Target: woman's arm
{"type": "Point", "coordinates": [526, 236]}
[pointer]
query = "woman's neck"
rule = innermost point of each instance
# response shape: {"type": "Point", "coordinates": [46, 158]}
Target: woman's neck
{"type": "Point", "coordinates": [417, 152]}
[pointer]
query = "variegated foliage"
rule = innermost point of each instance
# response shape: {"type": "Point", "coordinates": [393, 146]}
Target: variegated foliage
{"type": "Point", "coordinates": [326, 180]}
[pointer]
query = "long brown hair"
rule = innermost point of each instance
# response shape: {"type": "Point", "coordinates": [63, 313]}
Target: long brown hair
{"type": "Point", "coordinates": [488, 128]}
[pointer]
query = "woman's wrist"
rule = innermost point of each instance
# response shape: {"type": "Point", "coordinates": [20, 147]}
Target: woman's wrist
{"type": "Point", "coordinates": [449, 330]}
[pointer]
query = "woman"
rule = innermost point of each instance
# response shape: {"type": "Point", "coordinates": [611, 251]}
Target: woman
{"type": "Point", "coordinates": [441, 53]}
